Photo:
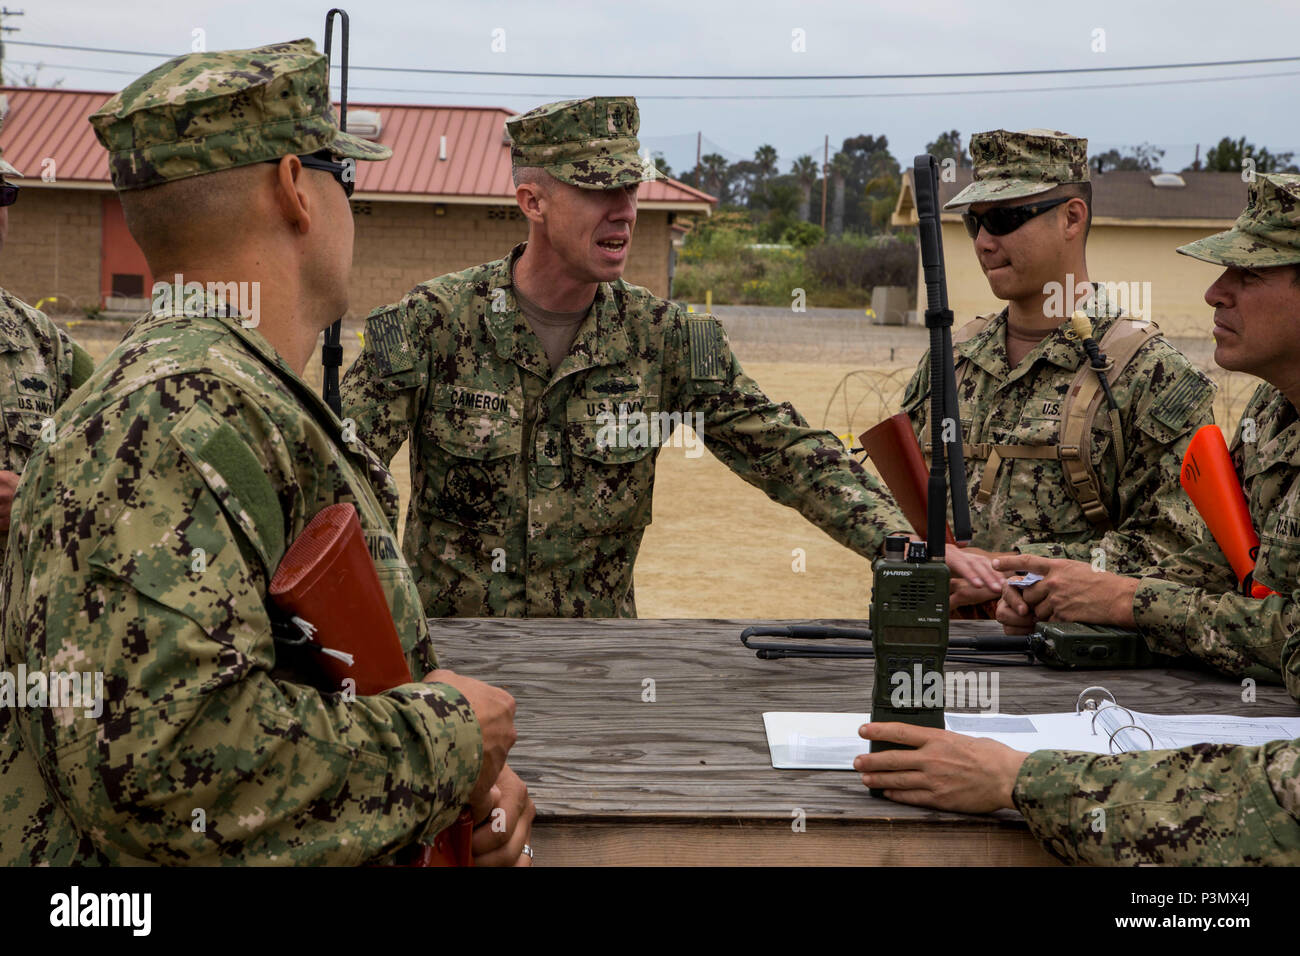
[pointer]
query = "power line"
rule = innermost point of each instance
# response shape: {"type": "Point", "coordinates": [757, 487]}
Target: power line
{"type": "Point", "coordinates": [535, 95]}
{"type": "Point", "coordinates": [1205, 64]}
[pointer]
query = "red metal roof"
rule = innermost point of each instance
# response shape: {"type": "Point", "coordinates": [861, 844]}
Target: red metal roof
{"type": "Point", "coordinates": [45, 124]}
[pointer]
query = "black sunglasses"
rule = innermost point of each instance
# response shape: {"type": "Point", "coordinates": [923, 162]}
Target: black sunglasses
{"type": "Point", "coordinates": [8, 194]}
{"type": "Point", "coordinates": [323, 162]}
{"type": "Point", "coordinates": [1002, 220]}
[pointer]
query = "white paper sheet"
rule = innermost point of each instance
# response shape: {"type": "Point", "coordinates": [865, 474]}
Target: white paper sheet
{"type": "Point", "coordinates": [826, 741]}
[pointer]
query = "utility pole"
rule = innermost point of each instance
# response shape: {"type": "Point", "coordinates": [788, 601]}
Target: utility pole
{"type": "Point", "coordinates": [699, 141]}
{"type": "Point", "coordinates": [826, 173]}
{"type": "Point", "coordinates": [6, 12]}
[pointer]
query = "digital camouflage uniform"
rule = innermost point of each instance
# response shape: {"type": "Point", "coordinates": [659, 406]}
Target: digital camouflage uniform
{"type": "Point", "coordinates": [518, 507]}
{"type": "Point", "coordinates": [40, 365]}
{"type": "Point", "coordinates": [145, 540]}
{"type": "Point", "coordinates": [1162, 397]}
{"type": "Point", "coordinates": [1208, 804]}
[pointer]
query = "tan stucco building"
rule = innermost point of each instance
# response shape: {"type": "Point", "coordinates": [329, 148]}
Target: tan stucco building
{"type": "Point", "coordinates": [1136, 226]}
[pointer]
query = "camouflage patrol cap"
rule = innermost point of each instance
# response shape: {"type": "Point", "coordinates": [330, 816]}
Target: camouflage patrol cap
{"type": "Point", "coordinates": [205, 112]}
{"type": "Point", "coordinates": [1267, 233]}
{"type": "Point", "coordinates": [589, 143]}
{"type": "Point", "coordinates": [1012, 165]}
{"type": "Point", "coordinates": [6, 168]}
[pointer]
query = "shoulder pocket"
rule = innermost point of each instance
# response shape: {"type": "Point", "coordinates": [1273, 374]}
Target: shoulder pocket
{"type": "Point", "coordinates": [1179, 407]}
{"type": "Point", "coordinates": [235, 477]}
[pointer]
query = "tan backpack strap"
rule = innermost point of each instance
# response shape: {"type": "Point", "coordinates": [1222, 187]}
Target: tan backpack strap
{"type": "Point", "coordinates": [992, 456]}
{"type": "Point", "coordinates": [1120, 344]}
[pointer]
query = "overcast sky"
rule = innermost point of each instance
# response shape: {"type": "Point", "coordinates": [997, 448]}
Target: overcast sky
{"type": "Point", "coordinates": [758, 37]}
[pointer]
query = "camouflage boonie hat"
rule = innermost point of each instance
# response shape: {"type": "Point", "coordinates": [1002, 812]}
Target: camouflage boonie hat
{"type": "Point", "coordinates": [6, 168]}
{"type": "Point", "coordinates": [1012, 165]}
{"type": "Point", "coordinates": [205, 112]}
{"type": "Point", "coordinates": [589, 143]}
{"type": "Point", "coordinates": [1267, 233]}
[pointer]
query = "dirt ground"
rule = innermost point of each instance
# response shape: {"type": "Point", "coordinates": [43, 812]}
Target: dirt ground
{"type": "Point", "coordinates": [718, 547]}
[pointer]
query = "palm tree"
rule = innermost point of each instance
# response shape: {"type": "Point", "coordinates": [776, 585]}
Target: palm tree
{"type": "Point", "coordinates": [713, 170]}
{"type": "Point", "coordinates": [765, 160]}
{"type": "Point", "coordinates": [841, 167]}
{"type": "Point", "coordinates": [805, 172]}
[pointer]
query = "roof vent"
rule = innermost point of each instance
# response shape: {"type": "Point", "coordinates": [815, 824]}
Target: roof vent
{"type": "Point", "coordinates": [364, 123]}
{"type": "Point", "coordinates": [1167, 181]}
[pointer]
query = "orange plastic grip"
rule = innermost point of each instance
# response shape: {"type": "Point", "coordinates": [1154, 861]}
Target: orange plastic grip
{"type": "Point", "coordinates": [328, 579]}
{"type": "Point", "coordinates": [1210, 480]}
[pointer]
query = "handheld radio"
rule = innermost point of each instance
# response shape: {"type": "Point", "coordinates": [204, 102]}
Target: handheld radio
{"type": "Point", "coordinates": [909, 603]}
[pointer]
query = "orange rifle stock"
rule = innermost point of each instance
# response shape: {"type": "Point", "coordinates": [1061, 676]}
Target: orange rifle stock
{"type": "Point", "coordinates": [328, 579]}
{"type": "Point", "coordinates": [894, 450]}
{"type": "Point", "coordinates": [1210, 480]}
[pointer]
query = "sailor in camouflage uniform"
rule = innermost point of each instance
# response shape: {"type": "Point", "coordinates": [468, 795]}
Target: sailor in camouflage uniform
{"type": "Point", "coordinates": [149, 527]}
{"type": "Point", "coordinates": [1190, 603]}
{"type": "Point", "coordinates": [40, 365]}
{"type": "Point", "coordinates": [1209, 804]}
{"type": "Point", "coordinates": [1015, 393]}
{"type": "Point", "coordinates": [522, 502]}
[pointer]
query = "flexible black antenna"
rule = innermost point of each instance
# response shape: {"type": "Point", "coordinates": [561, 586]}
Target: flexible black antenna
{"type": "Point", "coordinates": [332, 351]}
{"type": "Point", "coordinates": [947, 463]}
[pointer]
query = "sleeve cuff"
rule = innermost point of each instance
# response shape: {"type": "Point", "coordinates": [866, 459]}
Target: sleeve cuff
{"type": "Point", "coordinates": [1044, 795]}
{"type": "Point", "coordinates": [454, 742]}
{"type": "Point", "coordinates": [1160, 610]}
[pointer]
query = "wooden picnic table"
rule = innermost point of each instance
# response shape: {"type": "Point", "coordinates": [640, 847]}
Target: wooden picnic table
{"type": "Point", "coordinates": [687, 779]}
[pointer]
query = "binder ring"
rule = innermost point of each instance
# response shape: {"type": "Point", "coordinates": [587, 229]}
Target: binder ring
{"type": "Point", "coordinates": [1097, 713]}
{"type": "Point", "coordinates": [1079, 704]}
{"type": "Point", "coordinates": [1150, 739]}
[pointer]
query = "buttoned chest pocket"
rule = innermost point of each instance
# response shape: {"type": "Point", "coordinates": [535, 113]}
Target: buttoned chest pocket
{"type": "Point", "coordinates": [1278, 564]}
{"type": "Point", "coordinates": [612, 453]}
{"type": "Point", "coordinates": [23, 435]}
{"type": "Point", "coordinates": [1038, 497]}
{"type": "Point", "coordinates": [473, 462]}
{"type": "Point", "coordinates": [26, 402]}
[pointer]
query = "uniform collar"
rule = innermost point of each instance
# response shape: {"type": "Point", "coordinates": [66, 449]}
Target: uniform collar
{"type": "Point", "coordinates": [1278, 442]}
{"type": "Point", "coordinates": [255, 341]}
{"type": "Point", "coordinates": [1060, 347]}
{"type": "Point", "coordinates": [600, 340]}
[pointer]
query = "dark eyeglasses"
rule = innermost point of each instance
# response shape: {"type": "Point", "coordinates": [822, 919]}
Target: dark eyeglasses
{"type": "Point", "coordinates": [8, 194]}
{"type": "Point", "coordinates": [323, 162]}
{"type": "Point", "coordinates": [1003, 220]}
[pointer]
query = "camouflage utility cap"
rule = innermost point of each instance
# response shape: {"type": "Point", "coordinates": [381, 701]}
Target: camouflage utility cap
{"type": "Point", "coordinates": [589, 143]}
{"type": "Point", "coordinates": [6, 168]}
{"type": "Point", "coordinates": [205, 112]}
{"type": "Point", "coordinates": [1267, 233]}
{"type": "Point", "coordinates": [1012, 165]}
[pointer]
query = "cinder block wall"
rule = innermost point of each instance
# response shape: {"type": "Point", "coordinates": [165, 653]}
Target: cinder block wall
{"type": "Point", "coordinates": [53, 247]}
{"type": "Point", "coordinates": [399, 245]}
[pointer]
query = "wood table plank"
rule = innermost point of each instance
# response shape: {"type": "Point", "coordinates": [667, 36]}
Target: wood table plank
{"type": "Point", "coordinates": [687, 778]}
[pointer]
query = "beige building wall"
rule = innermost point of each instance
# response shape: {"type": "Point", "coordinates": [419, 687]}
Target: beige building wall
{"type": "Point", "coordinates": [399, 245]}
{"type": "Point", "coordinates": [1121, 254]}
{"type": "Point", "coordinates": [53, 248]}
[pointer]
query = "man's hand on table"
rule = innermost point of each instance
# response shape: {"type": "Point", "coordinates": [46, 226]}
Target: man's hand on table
{"type": "Point", "coordinates": [947, 771]}
{"type": "Point", "coordinates": [502, 832]}
{"type": "Point", "coordinates": [8, 485]}
{"type": "Point", "coordinates": [1069, 591]}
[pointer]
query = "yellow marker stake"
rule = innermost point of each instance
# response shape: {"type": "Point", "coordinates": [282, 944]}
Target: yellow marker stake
{"type": "Point", "coordinates": [708, 300]}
